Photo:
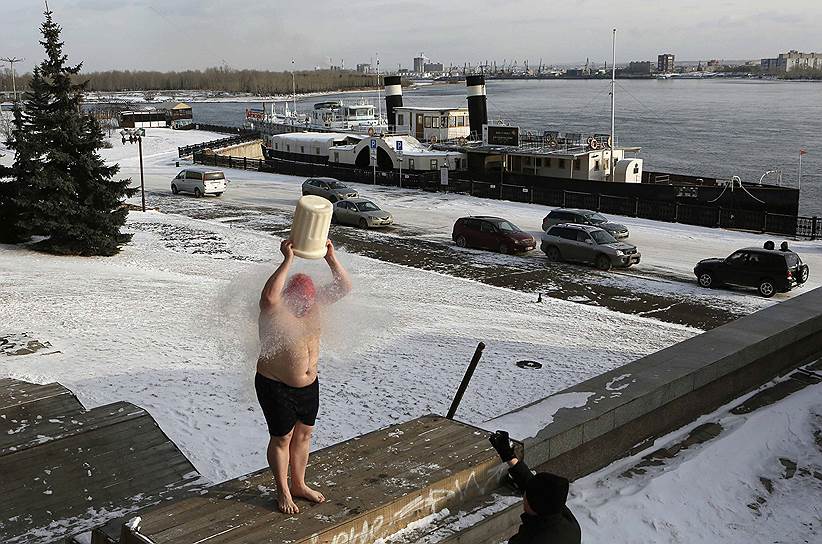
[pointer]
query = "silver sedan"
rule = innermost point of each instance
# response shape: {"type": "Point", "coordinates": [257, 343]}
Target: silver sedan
{"type": "Point", "coordinates": [361, 212]}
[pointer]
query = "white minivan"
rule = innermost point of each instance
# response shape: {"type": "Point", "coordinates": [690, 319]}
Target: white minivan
{"type": "Point", "coordinates": [199, 181]}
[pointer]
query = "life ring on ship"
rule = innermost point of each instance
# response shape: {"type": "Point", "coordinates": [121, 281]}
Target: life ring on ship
{"type": "Point", "coordinates": [592, 143]}
{"type": "Point", "coordinates": [370, 131]}
{"type": "Point", "coordinates": [552, 144]}
{"type": "Point", "coordinates": [433, 139]}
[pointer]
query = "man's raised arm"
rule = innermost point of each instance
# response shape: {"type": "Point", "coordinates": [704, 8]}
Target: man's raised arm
{"type": "Point", "coordinates": [273, 289]}
{"type": "Point", "coordinates": [341, 284]}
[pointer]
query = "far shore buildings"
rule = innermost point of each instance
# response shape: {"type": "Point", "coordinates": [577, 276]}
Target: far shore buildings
{"type": "Point", "coordinates": [790, 61]}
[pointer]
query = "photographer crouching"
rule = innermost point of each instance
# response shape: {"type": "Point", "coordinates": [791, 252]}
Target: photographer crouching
{"type": "Point", "coordinates": [546, 518]}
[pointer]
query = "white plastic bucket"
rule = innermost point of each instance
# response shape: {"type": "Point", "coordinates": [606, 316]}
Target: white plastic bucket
{"type": "Point", "coordinates": [309, 231]}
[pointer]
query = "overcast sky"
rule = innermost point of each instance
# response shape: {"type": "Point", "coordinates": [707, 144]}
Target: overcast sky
{"type": "Point", "coordinates": [266, 34]}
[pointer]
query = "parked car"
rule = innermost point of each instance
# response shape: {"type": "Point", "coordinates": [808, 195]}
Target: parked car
{"type": "Point", "coordinates": [583, 217]}
{"type": "Point", "coordinates": [770, 271]}
{"type": "Point", "coordinates": [588, 244]}
{"type": "Point", "coordinates": [328, 188]}
{"type": "Point", "coordinates": [493, 233]}
{"type": "Point", "coordinates": [361, 212]}
{"type": "Point", "coordinates": [199, 182]}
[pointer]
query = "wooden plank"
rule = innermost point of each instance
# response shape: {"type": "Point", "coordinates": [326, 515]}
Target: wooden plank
{"type": "Point", "coordinates": [47, 429]}
{"type": "Point", "coordinates": [388, 470]}
{"type": "Point", "coordinates": [18, 392]}
{"type": "Point", "coordinates": [62, 405]}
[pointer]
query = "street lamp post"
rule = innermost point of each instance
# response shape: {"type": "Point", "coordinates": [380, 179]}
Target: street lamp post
{"type": "Point", "coordinates": [142, 181]}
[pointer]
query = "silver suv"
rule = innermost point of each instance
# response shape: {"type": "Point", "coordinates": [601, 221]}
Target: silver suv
{"type": "Point", "coordinates": [588, 244]}
{"type": "Point", "coordinates": [328, 188]}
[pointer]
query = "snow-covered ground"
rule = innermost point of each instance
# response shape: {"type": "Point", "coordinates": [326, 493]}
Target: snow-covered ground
{"type": "Point", "coordinates": [170, 324]}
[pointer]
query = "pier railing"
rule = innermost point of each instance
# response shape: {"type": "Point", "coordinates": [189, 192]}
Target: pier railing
{"type": "Point", "coordinates": [242, 135]}
{"type": "Point", "coordinates": [670, 212]}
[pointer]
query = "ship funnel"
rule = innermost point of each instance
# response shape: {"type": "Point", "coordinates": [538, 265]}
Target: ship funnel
{"type": "Point", "coordinates": [477, 107]}
{"type": "Point", "coordinates": [393, 99]}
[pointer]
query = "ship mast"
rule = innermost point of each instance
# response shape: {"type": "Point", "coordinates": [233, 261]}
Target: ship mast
{"type": "Point", "coordinates": [613, 88]}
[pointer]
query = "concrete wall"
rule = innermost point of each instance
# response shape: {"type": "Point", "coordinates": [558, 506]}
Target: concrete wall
{"type": "Point", "coordinates": [249, 150]}
{"type": "Point", "coordinates": [667, 389]}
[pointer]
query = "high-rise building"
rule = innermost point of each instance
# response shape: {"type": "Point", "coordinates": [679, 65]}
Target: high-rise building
{"type": "Point", "coordinates": [665, 63]}
{"type": "Point", "coordinates": [419, 63]}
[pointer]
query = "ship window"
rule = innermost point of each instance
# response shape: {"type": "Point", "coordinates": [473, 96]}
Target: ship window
{"type": "Point", "coordinates": [288, 147]}
{"type": "Point", "coordinates": [302, 149]}
{"type": "Point", "coordinates": [444, 121]}
{"type": "Point", "coordinates": [456, 162]}
{"type": "Point", "coordinates": [318, 151]}
{"type": "Point", "coordinates": [433, 164]}
{"type": "Point", "coordinates": [596, 165]}
{"type": "Point", "coordinates": [427, 122]}
{"type": "Point", "coordinates": [400, 119]}
{"type": "Point", "coordinates": [435, 122]}
{"type": "Point", "coordinates": [452, 121]}
{"type": "Point", "coordinates": [461, 121]}
{"type": "Point", "coordinates": [577, 164]}
{"type": "Point", "coordinates": [336, 156]}
{"type": "Point", "coordinates": [276, 146]}
{"type": "Point", "coordinates": [410, 164]}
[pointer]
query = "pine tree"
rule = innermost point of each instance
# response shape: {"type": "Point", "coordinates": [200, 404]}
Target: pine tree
{"type": "Point", "coordinates": [61, 187]}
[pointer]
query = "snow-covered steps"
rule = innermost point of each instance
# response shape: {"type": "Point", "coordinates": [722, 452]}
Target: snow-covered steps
{"type": "Point", "coordinates": [376, 484]}
{"type": "Point", "coordinates": [24, 402]}
{"type": "Point", "coordinates": [65, 472]}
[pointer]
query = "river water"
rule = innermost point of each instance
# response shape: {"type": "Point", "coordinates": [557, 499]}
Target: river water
{"type": "Point", "coordinates": [711, 128]}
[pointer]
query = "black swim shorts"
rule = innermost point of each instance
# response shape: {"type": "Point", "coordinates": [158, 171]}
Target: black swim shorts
{"type": "Point", "coordinates": [283, 405]}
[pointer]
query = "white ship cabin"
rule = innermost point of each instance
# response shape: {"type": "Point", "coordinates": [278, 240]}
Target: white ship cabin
{"type": "Point", "coordinates": [355, 150]}
{"type": "Point", "coordinates": [336, 114]}
{"type": "Point", "coordinates": [432, 124]}
{"type": "Point", "coordinates": [584, 164]}
{"type": "Point", "coordinates": [568, 156]}
{"type": "Point", "coordinates": [308, 146]}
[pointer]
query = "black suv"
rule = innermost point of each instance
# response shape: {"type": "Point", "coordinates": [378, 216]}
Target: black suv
{"type": "Point", "coordinates": [770, 271]}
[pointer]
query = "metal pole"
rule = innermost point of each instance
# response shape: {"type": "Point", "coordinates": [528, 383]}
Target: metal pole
{"type": "Point", "coordinates": [465, 379]}
{"type": "Point", "coordinates": [142, 181]}
{"type": "Point", "coordinates": [800, 170]}
{"type": "Point", "coordinates": [11, 61]}
{"type": "Point", "coordinates": [400, 161]}
{"type": "Point", "coordinates": [613, 88]}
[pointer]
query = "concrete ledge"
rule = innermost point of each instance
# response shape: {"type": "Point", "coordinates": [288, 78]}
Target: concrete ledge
{"type": "Point", "coordinates": [658, 393]}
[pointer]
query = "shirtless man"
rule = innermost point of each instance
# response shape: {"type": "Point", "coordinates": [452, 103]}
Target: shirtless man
{"type": "Point", "coordinates": [286, 380]}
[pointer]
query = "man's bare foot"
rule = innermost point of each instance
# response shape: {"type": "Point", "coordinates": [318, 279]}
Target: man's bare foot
{"type": "Point", "coordinates": [286, 504]}
{"type": "Point", "coordinates": [307, 493]}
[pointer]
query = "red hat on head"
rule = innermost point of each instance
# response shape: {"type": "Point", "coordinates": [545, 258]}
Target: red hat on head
{"type": "Point", "coordinates": [300, 293]}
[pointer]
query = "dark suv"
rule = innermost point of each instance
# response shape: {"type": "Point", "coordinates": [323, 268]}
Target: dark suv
{"type": "Point", "coordinates": [768, 270]}
{"type": "Point", "coordinates": [583, 217]}
{"type": "Point", "coordinates": [492, 233]}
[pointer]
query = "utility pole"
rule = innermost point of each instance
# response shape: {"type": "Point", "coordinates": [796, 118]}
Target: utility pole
{"type": "Point", "coordinates": [11, 61]}
{"type": "Point", "coordinates": [613, 88]}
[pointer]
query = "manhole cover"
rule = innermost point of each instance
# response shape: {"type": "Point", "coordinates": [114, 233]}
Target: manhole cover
{"type": "Point", "coordinates": [529, 364]}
